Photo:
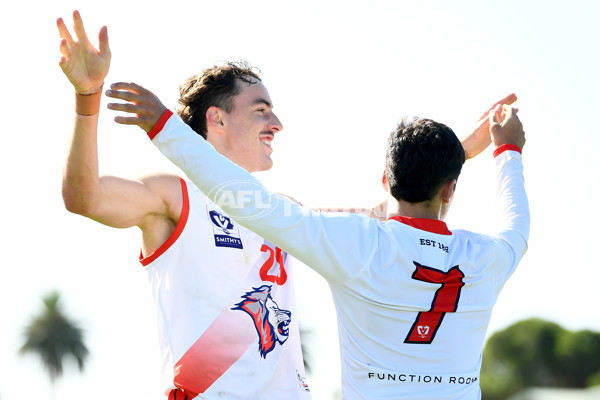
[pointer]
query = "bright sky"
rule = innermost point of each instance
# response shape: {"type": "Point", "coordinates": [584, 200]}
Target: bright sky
{"type": "Point", "coordinates": [341, 74]}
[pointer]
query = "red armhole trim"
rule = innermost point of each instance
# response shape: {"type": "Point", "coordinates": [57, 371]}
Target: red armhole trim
{"type": "Point", "coordinates": [160, 124]}
{"type": "Point", "coordinates": [185, 212]}
{"type": "Point", "coordinates": [504, 147]}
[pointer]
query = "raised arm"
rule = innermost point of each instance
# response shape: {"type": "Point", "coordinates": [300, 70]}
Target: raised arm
{"type": "Point", "coordinates": [508, 138]}
{"type": "Point", "coordinates": [113, 201]}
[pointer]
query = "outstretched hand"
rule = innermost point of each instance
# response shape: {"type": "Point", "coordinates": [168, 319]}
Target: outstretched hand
{"type": "Point", "coordinates": [480, 138]}
{"type": "Point", "coordinates": [84, 66]}
{"type": "Point", "coordinates": [141, 102]}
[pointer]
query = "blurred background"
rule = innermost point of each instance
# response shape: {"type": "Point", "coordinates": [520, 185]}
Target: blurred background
{"type": "Point", "coordinates": [341, 74]}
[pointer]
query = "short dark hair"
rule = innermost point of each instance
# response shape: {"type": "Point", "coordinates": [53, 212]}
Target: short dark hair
{"type": "Point", "coordinates": [421, 156]}
{"type": "Point", "coordinates": [214, 86]}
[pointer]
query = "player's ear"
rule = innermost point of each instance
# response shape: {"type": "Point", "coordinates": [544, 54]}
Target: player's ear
{"type": "Point", "coordinates": [448, 190]}
{"type": "Point", "coordinates": [214, 119]}
{"type": "Point", "coordinates": [384, 182]}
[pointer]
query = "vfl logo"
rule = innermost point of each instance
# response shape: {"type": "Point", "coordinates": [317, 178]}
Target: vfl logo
{"type": "Point", "coordinates": [423, 330]}
{"type": "Point", "coordinates": [221, 221]}
{"type": "Point", "coordinates": [266, 315]}
{"type": "Point", "coordinates": [225, 236]}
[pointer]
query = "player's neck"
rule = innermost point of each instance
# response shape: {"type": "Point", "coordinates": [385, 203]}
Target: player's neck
{"type": "Point", "coordinates": [425, 209]}
{"type": "Point", "coordinates": [222, 146]}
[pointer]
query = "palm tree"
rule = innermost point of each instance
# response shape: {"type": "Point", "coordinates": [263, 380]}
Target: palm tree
{"type": "Point", "coordinates": [53, 336]}
{"type": "Point", "coordinates": [305, 333]}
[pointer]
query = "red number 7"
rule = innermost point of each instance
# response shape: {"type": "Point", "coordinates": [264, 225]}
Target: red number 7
{"type": "Point", "coordinates": [445, 300]}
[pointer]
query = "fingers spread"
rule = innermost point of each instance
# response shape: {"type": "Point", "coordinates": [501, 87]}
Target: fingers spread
{"type": "Point", "coordinates": [78, 26]}
{"type": "Point", "coordinates": [63, 31]}
{"type": "Point", "coordinates": [125, 107]}
{"type": "Point", "coordinates": [124, 94]}
{"type": "Point", "coordinates": [142, 121]}
{"type": "Point", "coordinates": [64, 47]}
{"type": "Point", "coordinates": [129, 87]}
{"type": "Point", "coordinates": [103, 42]}
{"type": "Point", "coordinates": [64, 50]}
{"type": "Point", "coordinates": [127, 120]}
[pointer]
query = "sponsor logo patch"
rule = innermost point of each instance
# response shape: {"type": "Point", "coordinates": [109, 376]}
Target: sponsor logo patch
{"type": "Point", "coordinates": [223, 229]}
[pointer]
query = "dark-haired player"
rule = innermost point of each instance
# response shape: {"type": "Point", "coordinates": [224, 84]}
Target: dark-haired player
{"type": "Point", "coordinates": [413, 298]}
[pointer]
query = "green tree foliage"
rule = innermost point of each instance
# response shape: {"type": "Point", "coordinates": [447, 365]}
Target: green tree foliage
{"type": "Point", "coordinates": [538, 353]}
{"type": "Point", "coordinates": [304, 335]}
{"type": "Point", "coordinates": [53, 337]}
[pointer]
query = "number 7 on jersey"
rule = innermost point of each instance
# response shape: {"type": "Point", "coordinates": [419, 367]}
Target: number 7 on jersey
{"type": "Point", "coordinates": [445, 300]}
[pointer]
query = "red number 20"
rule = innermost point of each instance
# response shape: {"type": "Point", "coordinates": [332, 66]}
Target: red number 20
{"type": "Point", "coordinates": [280, 277]}
{"type": "Point", "coordinates": [445, 300]}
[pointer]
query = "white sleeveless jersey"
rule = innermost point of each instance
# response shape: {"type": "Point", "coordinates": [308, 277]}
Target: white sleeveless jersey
{"type": "Point", "coordinates": [226, 308]}
{"type": "Point", "coordinates": [413, 299]}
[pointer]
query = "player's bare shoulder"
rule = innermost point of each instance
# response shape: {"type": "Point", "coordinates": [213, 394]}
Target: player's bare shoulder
{"type": "Point", "coordinates": [168, 187]}
{"type": "Point", "coordinates": [157, 227]}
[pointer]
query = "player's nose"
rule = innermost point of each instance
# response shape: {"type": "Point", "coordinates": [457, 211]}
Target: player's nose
{"type": "Point", "coordinates": [275, 124]}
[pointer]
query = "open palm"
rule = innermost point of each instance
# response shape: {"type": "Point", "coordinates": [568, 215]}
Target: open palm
{"type": "Point", "coordinates": [84, 66]}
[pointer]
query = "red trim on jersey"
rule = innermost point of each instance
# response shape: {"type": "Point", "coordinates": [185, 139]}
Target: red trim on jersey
{"type": "Point", "coordinates": [501, 149]}
{"type": "Point", "coordinates": [221, 345]}
{"type": "Point", "coordinates": [185, 212]}
{"type": "Point", "coordinates": [425, 224]}
{"type": "Point", "coordinates": [160, 124]}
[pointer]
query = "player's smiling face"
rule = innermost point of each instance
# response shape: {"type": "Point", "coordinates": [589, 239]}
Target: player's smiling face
{"type": "Point", "coordinates": [251, 127]}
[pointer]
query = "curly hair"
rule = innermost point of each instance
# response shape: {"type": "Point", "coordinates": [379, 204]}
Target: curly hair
{"type": "Point", "coordinates": [214, 86]}
{"type": "Point", "coordinates": [421, 156]}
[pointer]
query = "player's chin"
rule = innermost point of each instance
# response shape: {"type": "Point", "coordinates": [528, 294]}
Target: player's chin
{"type": "Point", "coordinates": [266, 164]}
